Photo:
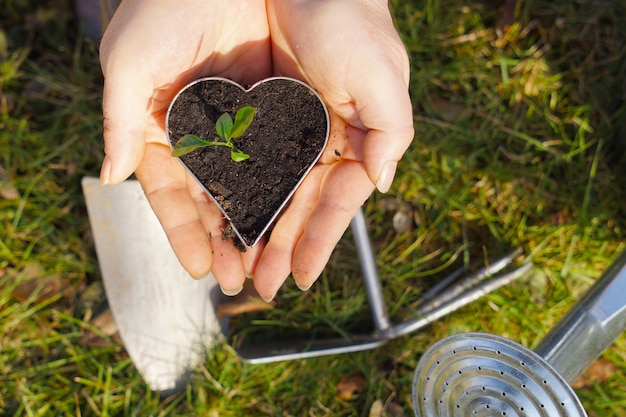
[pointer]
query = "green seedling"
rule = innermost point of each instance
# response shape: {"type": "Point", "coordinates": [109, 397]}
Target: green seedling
{"type": "Point", "coordinates": [226, 129]}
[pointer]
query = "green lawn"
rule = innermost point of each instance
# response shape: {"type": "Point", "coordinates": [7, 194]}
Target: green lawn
{"type": "Point", "coordinates": [520, 141]}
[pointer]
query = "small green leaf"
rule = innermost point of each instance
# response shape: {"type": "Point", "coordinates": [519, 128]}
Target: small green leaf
{"type": "Point", "coordinates": [226, 129]}
{"type": "Point", "coordinates": [243, 119]}
{"type": "Point", "coordinates": [237, 156]}
{"type": "Point", "coordinates": [224, 126]}
{"type": "Point", "coordinates": [187, 144]}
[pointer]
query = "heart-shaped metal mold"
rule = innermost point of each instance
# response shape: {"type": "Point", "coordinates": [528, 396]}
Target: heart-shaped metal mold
{"type": "Point", "coordinates": [286, 138]}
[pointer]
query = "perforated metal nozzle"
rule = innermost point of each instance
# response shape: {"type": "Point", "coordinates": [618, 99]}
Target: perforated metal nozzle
{"type": "Point", "coordinates": [478, 374]}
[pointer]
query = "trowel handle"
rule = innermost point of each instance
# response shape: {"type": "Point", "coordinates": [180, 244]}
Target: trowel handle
{"type": "Point", "coordinates": [373, 286]}
{"type": "Point", "coordinates": [590, 326]}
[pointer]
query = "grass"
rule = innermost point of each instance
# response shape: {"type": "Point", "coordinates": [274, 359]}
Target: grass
{"type": "Point", "coordinates": [520, 142]}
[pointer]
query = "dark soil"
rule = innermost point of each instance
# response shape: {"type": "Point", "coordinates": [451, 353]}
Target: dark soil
{"type": "Point", "coordinates": [285, 139]}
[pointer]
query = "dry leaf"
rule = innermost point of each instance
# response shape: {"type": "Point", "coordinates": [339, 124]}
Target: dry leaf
{"type": "Point", "coordinates": [35, 283]}
{"type": "Point", "coordinates": [9, 192]}
{"type": "Point", "coordinates": [7, 189]}
{"type": "Point", "coordinates": [91, 297]}
{"type": "Point", "coordinates": [241, 306]}
{"type": "Point", "coordinates": [105, 323]}
{"type": "Point", "coordinates": [404, 217]}
{"type": "Point", "coordinates": [247, 301]}
{"type": "Point", "coordinates": [350, 385]}
{"type": "Point", "coordinates": [507, 16]}
{"type": "Point", "coordinates": [599, 371]}
{"type": "Point", "coordinates": [376, 410]}
{"type": "Point", "coordinates": [391, 409]}
{"type": "Point", "coordinates": [448, 110]}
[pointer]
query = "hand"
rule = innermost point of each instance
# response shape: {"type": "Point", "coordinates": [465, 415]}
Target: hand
{"type": "Point", "coordinates": [151, 49]}
{"type": "Point", "coordinates": [350, 52]}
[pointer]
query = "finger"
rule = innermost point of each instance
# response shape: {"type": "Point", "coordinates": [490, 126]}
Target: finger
{"type": "Point", "coordinates": [384, 108]}
{"type": "Point", "coordinates": [227, 267]}
{"type": "Point", "coordinates": [375, 99]}
{"type": "Point", "coordinates": [164, 182]}
{"type": "Point", "coordinates": [274, 265]}
{"type": "Point", "coordinates": [250, 258]}
{"type": "Point", "coordinates": [345, 189]}
{"type": "Point", "coordinates": [125, 103]}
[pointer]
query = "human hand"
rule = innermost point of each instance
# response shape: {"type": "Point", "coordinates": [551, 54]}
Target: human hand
{"type": "Point", "coordinates": [150, 50]}
{"type": "Point", "coordinates": [350, 52]}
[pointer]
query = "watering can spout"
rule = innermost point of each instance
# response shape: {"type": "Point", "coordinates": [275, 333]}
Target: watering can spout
{"type": "Point", "coordinates": [590, 326]}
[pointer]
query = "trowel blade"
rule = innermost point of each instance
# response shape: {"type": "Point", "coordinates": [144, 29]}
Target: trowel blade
{"type": "Point", "coordinates": [165, 318]}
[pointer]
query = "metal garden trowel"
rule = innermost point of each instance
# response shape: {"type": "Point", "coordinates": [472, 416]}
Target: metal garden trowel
{"type": "Point", "coordinates": [166, 319]}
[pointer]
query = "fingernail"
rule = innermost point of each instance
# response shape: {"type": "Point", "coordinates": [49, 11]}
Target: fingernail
{"type": "Point", "coordinates": [105, 171]}
{"type": "Point", "coordinates": [269, 299]}
{"type": "Point", "coordinates": [200, 277]}
{"type": "Point", "coordinates": [385, 178]}
{"type": "Point", "coordinates": [231, 293]}
{"type": "Point", "coordinates": [303, 287]}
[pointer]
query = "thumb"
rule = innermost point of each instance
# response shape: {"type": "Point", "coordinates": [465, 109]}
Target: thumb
{"type": "Point", "coordinates": [125, 103]}
{"type": "Point", "coordinates": [388, 119]}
